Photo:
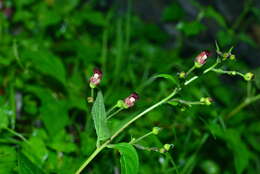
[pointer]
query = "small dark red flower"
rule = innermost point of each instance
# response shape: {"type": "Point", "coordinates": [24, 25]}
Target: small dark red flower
{"type": "Point", "coordinates": [202, 58]}
{"type": "Point", "coordinates": [130, 100]}
{"type": "Point", "coordinates": [96, 78]}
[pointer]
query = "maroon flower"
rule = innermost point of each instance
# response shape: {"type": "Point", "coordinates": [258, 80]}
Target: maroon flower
{"type": "Point", "coordinates": [96, 78]}
{"type": "Point", "coordinates": [130, 100]}
{"type": "Point", "coordinates": [202, 58]}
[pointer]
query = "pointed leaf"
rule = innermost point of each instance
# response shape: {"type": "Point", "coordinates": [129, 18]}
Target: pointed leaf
{"type": "Point", "coordinates": [99, 117]}
{"type": "Point", "coordinates": [173, 79]}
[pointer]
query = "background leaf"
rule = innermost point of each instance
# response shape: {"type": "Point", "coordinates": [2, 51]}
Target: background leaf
{"type": "Point", "coordinates": [26, 166]}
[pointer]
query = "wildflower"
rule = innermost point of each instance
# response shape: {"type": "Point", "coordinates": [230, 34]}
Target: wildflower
{"type": "Point", "coordinates": [130, 100]}
{"type": "Point", "coordinates": [201, 59]}
{"type": "Point", "coordinates": [95, 79]}
{"type": "Point", "coordinates": [248, 76]}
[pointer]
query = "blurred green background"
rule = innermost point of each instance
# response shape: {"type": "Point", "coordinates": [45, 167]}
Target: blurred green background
{"type": "Point", "coordinates": [49, 48]}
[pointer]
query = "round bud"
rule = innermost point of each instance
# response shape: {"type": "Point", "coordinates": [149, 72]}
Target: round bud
{"type": "Point", "coordinates": [167, 147]}
{"type": "Point", "coordinates": [156, 130]}
{"type": "Point", "coordinates": [232, 57]}
{"type": "Point", "coordinates": [182, 75]}
{"type": "Point", "coordinates": [248, 76]}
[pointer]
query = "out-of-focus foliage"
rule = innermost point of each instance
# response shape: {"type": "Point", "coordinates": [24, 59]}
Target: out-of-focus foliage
{"type": "Point", "coordinates": [49, 48]}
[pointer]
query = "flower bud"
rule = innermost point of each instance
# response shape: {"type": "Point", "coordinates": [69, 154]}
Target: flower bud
{"type": "Point", "coordinates": [248, 76]}
{"type": "Point", "coordinates": [206, 101]}
{"type": "Point", "coordinates": [232, 57]}
{"type": "Point", "coordinates": [130, 100]}
{"type": "Point", "coordinates": [182, 75]}
{"type": "Point", "coordinates": [156, 130]}
{"type": "Point", "coordinates": [96, 78]}
{"type": "Point", "coordinates": [167, 147]}
{"type": "Point", "coordinates": [225, 56]}
{"type": "Point", "coordinates": [201, 59]}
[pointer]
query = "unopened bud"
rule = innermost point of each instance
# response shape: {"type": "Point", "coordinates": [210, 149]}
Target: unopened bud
{"type": "Point", "coordinates": [206, 101]}
{"type": "Point", "coordinates": [167, 147]}
{"type": "Point", "coordinates": [248, 76]}
{"type": "Point", "coordinates": [182, 75]}
{"type": "Point", "coordinates": [201, 59]}
{"type": "Point", "coordinates": [95, 79]}
{"type": "Point", "coordinates": [156, 130]}
{"type": "Point", "coordinates": [130, 100]}
{"type": "Point", "coordinates": [232, 57]}
{"type": "Point", "coordinates": [225, 56]}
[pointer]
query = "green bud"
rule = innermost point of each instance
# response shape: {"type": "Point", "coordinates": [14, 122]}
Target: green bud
{"type": "Point", "coordinates": [182, 75]}
{"type": "Point", "coordinates": [121, 104]}
{"type": "Point", "coordinates": [167, 147]}
{"type": "Point", "coordinates": [248, 76]}
{"type": "Point", "coordinates": [232, 57]}
{"type": "Point", "coordinates": [225, 56]}
{"type": "Point", "coordinates": [162, 150]}
{"type": "Point", "coordinates": [90, 99]}
{"type": "Point", "coordinates": [156, 130]}
{"type": "Point", "coordinates": [233, 73]}
{"type": "Point", "coordinates": [198, 65]}
{"type": "Point", "coordinates": [206, 101]}
{"type": "Point", "coordinates": [92, 85]}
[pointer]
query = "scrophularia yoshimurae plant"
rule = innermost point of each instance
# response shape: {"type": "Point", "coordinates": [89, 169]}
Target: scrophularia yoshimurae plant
{"type": "Point", "coordinates": [129, 161]}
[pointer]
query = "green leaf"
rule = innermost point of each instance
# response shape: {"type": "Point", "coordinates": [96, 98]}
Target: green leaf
{"type": "Point", "coordinates": [25, 166]}
{"type": "Point", "coordinates": [129, 158]}
{"type": "Point", "coordinates": [173, 79]}
{"type": "Point", "coordinates": [46, 63]}
{"type": "Point", "coordinates": [99, 117]}
{"type": "Point", "coordinates": [191, 28]}
{"type": "Point", "coordinates": [7, 159]}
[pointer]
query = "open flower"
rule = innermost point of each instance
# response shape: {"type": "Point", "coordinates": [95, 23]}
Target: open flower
{"type": "Point", "coordinates": [130, 100]}
{"type": "Point", "coordinates": [201, 59]}
{"type": "Point", "coordinates": [96, 78]}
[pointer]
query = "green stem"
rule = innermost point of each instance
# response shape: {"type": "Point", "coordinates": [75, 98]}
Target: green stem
{"type": "Point", "coordinates": [142, 137]}
{"type": "Point", "coordinates": [111, 109]}
{"type": "Point", "coordinates": [221, 71]}
{"type": "Point", "coordinates": [190, 70]}
{"type": "Point", "coordinates": [16, 134]}
{"type": "Point", "coordinates": [246, 102]}
{"type": "Point", "coordinates": [113, 114]}
{"type": "Point", "coordinates": [92, 93]}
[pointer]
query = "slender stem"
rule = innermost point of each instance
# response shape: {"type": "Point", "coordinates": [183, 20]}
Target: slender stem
{"type": "Point", "coordinates": [16, 134]}
{"type": "Point", "coordinates": [191, 80]}
{"type": "Point", "coordinates": [190, 70]}
{"type": "Point", "coordinates": [246, 102]}
{"type": "Point", "coordinates": [111, 109]}
{"type": "Point", "coordinates": [92, 93]}
{"type": "Point", "coordinates": [189, 103]}
{"type": "Point", "coordinates": [142, 137]}
{"type": "Point", "coordinates": [113, 114]}
{"type": "Point", "coordinates": [221, 71]}
{"type": "Point", "coordinates": [92, 156]}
